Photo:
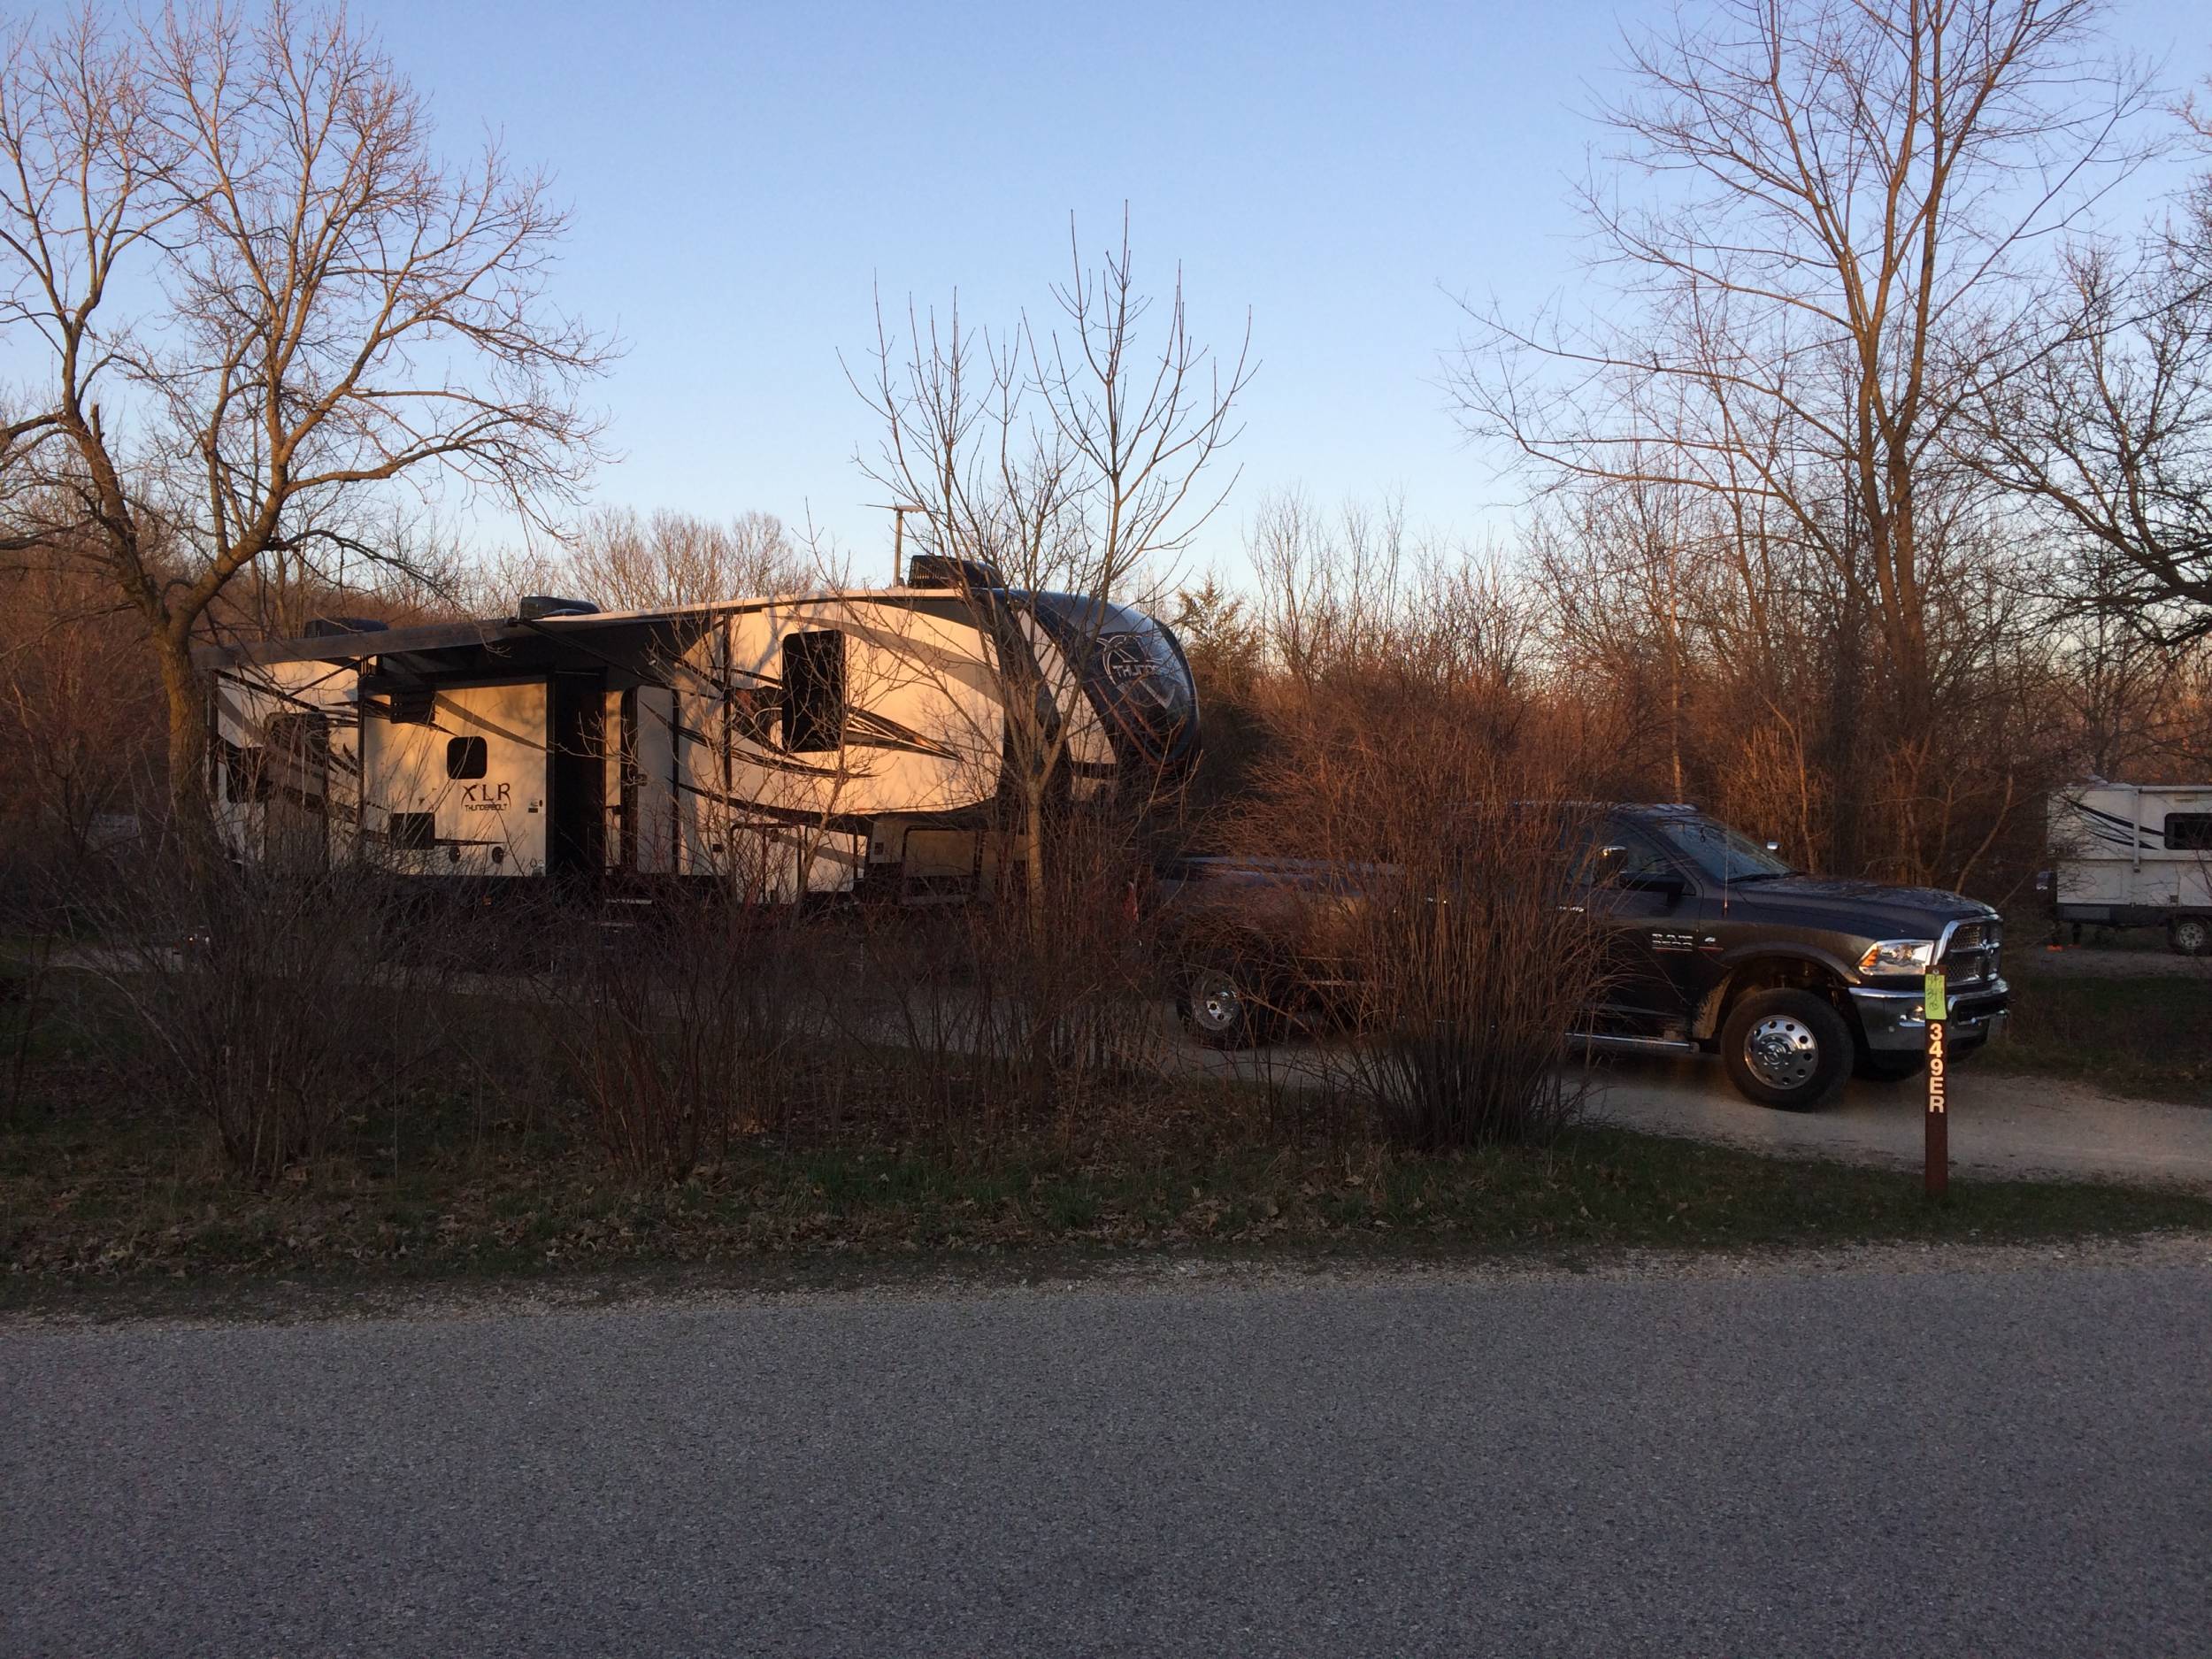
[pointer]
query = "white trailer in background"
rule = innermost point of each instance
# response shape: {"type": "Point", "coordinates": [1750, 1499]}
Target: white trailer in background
{"type": "Point", "coordinates": [801, 742]}
{"type": "Point", "coordinates": [2135, 856]}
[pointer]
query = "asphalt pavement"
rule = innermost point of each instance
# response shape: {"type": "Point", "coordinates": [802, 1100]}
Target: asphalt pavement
{"type": "Point", "coordinates": [1909, 1457]}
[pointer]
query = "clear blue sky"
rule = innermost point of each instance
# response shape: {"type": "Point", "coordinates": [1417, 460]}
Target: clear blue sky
{"type": "Point", "coordinates": [743, 174]}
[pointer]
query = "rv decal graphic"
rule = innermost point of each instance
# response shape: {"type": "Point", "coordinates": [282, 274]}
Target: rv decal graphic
{"type": "Point", "coordinates": [1124, 657]}
{"type": "Point", "coordinates": [2117, 832]}
{"type": "Point", "coordinates": [469, 717]}
{"type": "Point", "coordinates": [487, 797]}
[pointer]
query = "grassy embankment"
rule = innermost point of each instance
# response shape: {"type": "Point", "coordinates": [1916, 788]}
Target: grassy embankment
{"type": "Point", "coordinates": [2141, 1034]}
{"type": "Point", "coordinates": [97, 1185]}
{"type": "Point", "coordinates": [92, 1188]}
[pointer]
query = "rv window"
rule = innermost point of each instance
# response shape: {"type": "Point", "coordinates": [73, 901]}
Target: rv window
{"type": "Point", "coordinates": [813, 692]}
{"type": "Point", "coordinates": [753, 714]}
{"type": "Point", "coordinates": [244, 778]}
{"type": "Point", "coordinates": [414, 832]}
{"type": "Point", "coordinates": [2189, 832]}
{"type": "Point", "coordinates": [466, 758]}
{"type": "Point", "coordinates": [296, 762]}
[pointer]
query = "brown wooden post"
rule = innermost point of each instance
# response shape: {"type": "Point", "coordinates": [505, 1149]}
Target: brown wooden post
{"type": "Point", "coordinates": [1937, 1172]}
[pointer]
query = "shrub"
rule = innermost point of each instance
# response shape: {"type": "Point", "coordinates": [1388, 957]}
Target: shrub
{"type": "Point", "coordinates": [271, 1006]}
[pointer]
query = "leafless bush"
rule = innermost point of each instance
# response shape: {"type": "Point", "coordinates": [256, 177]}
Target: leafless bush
{"type": "Point", "coordinates": [1401, 757]}
{"type": "Point", "coordinates": [689, 1020]}
{"type": "Point", "coordinates": [1474, 973]}
{"type": "Point", "coordinates": [1001, 1012]}
{"type": "Point", "coordinates": [274, 1008]}
{"type": "Point", "coordinates": [1073, 1007]}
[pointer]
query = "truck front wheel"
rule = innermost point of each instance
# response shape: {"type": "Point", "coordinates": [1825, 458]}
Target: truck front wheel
{"type": "Point", "coordinates": [1786, 1047]}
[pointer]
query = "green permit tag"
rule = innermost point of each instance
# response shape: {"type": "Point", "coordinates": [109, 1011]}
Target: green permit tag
{"type": "Point", "coordinates": [1932, 995]}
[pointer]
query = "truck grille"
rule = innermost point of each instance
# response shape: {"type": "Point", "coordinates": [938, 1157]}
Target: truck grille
{"type": "Point", "coordinates": [1971, 956]}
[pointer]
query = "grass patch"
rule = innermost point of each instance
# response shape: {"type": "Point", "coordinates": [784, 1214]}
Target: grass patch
{"type": "Point", "coordinates": [2145, 1035]}
{"type": "Point", "coordinates": [98, 1185]}
{"type": "Point", "coordinates": [96, 1193]}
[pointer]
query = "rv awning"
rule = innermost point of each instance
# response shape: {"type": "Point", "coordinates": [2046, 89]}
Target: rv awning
{"type": "Point", "coordinates": [342, 648]}
{"type": "Point", "coordinates": [629, 641]}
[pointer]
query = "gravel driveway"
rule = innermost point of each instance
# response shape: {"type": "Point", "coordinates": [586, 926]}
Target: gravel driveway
{"type": "Point", "coordinates": [2009, 1127]}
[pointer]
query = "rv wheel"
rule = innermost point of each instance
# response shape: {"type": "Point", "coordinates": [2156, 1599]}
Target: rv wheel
{"type": "Point", "coordinates": [2191, 935]}
{"type": "Point", "coordinates": [1223, 1010]}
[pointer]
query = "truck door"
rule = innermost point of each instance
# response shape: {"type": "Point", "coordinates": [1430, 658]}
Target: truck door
{"type": "Point", "coordinates": [1647, 910]}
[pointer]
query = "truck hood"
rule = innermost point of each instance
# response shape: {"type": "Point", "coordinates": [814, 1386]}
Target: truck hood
{"type": "Point", "coordinates": [1865, 907]}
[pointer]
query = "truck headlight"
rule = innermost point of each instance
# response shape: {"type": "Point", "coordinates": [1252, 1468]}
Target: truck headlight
{"type": "Point", "coordinates": [1898, 957]}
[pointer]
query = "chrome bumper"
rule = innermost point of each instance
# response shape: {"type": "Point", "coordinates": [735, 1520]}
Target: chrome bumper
{"type": "Point", "coordinates": [1894, 1020]}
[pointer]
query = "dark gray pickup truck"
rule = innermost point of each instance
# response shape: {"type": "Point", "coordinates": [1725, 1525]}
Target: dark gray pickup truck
{"type": "Point", "coordinates": [1713, 943]}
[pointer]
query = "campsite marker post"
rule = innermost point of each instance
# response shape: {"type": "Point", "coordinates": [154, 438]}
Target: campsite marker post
{"type": "Point", "coordinates": [1938, 1161]}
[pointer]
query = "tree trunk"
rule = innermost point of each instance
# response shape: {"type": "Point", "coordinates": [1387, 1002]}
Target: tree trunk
{"type": "Point", "coordinates": [1034, 851]}
{"type": "Point", "coordinates": [190, 810]}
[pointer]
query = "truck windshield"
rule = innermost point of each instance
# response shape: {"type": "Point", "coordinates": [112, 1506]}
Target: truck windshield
{"type": "Point", "coordinates": [1718, 852]}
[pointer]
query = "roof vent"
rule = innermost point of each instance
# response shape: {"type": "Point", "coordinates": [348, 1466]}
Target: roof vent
{"type": "Point", "coordinates": [935, 570]}
{"type": "Point", "coordinates": [536, 607]}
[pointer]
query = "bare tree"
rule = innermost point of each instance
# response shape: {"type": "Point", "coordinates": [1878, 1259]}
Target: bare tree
{"type": "Point", "coordinates": [1329, 587]}
{"type": "Point", "coordinates": [1825, 218]}
{"type": "Point", "coordinates": [2110, 432]}
{"type": "Point", "coordinates": [262, 295]}
{"type": "Point", "coordinates": [77, 712]}
{"type": "Point", "coordinates": [1074, 458]}
{"type": "Point", "coordinates": [627, 562]}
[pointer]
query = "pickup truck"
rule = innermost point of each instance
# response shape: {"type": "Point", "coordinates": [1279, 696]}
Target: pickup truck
{"type": "Point", "coordinates": [1712, 943]}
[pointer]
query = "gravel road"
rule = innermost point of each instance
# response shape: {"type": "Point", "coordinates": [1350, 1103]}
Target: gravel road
{"type": "Point", "coordinates": [1898, 1456]}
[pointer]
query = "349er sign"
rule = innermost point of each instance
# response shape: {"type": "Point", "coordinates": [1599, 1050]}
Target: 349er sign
{"type": "Point", "coordinates": [1938, 1148]}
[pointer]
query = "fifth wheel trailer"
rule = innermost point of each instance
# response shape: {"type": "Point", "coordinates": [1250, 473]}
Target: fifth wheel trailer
{"type": "Point", "coordinates": [2135, 856]}
{"type": "Point", "coordinates": [803, 743]}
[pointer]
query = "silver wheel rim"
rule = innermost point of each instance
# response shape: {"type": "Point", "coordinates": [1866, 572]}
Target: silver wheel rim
{"type": "Point", "coordinates": [2190, 936]}
{"type": "Point", "coordinates": [1215, 1002]}
{"type": "Point", "coordinates": [1782, 1052]}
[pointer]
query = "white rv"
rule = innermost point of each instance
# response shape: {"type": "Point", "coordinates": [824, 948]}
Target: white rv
{"type": "Point", "coordinates": [806, 741]}
{"type": "Point", "coordinates": [2135, 856]}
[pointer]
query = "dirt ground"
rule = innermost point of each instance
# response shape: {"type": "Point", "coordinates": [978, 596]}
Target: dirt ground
{"type": "Point", "coordinates": [2105, 962]}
